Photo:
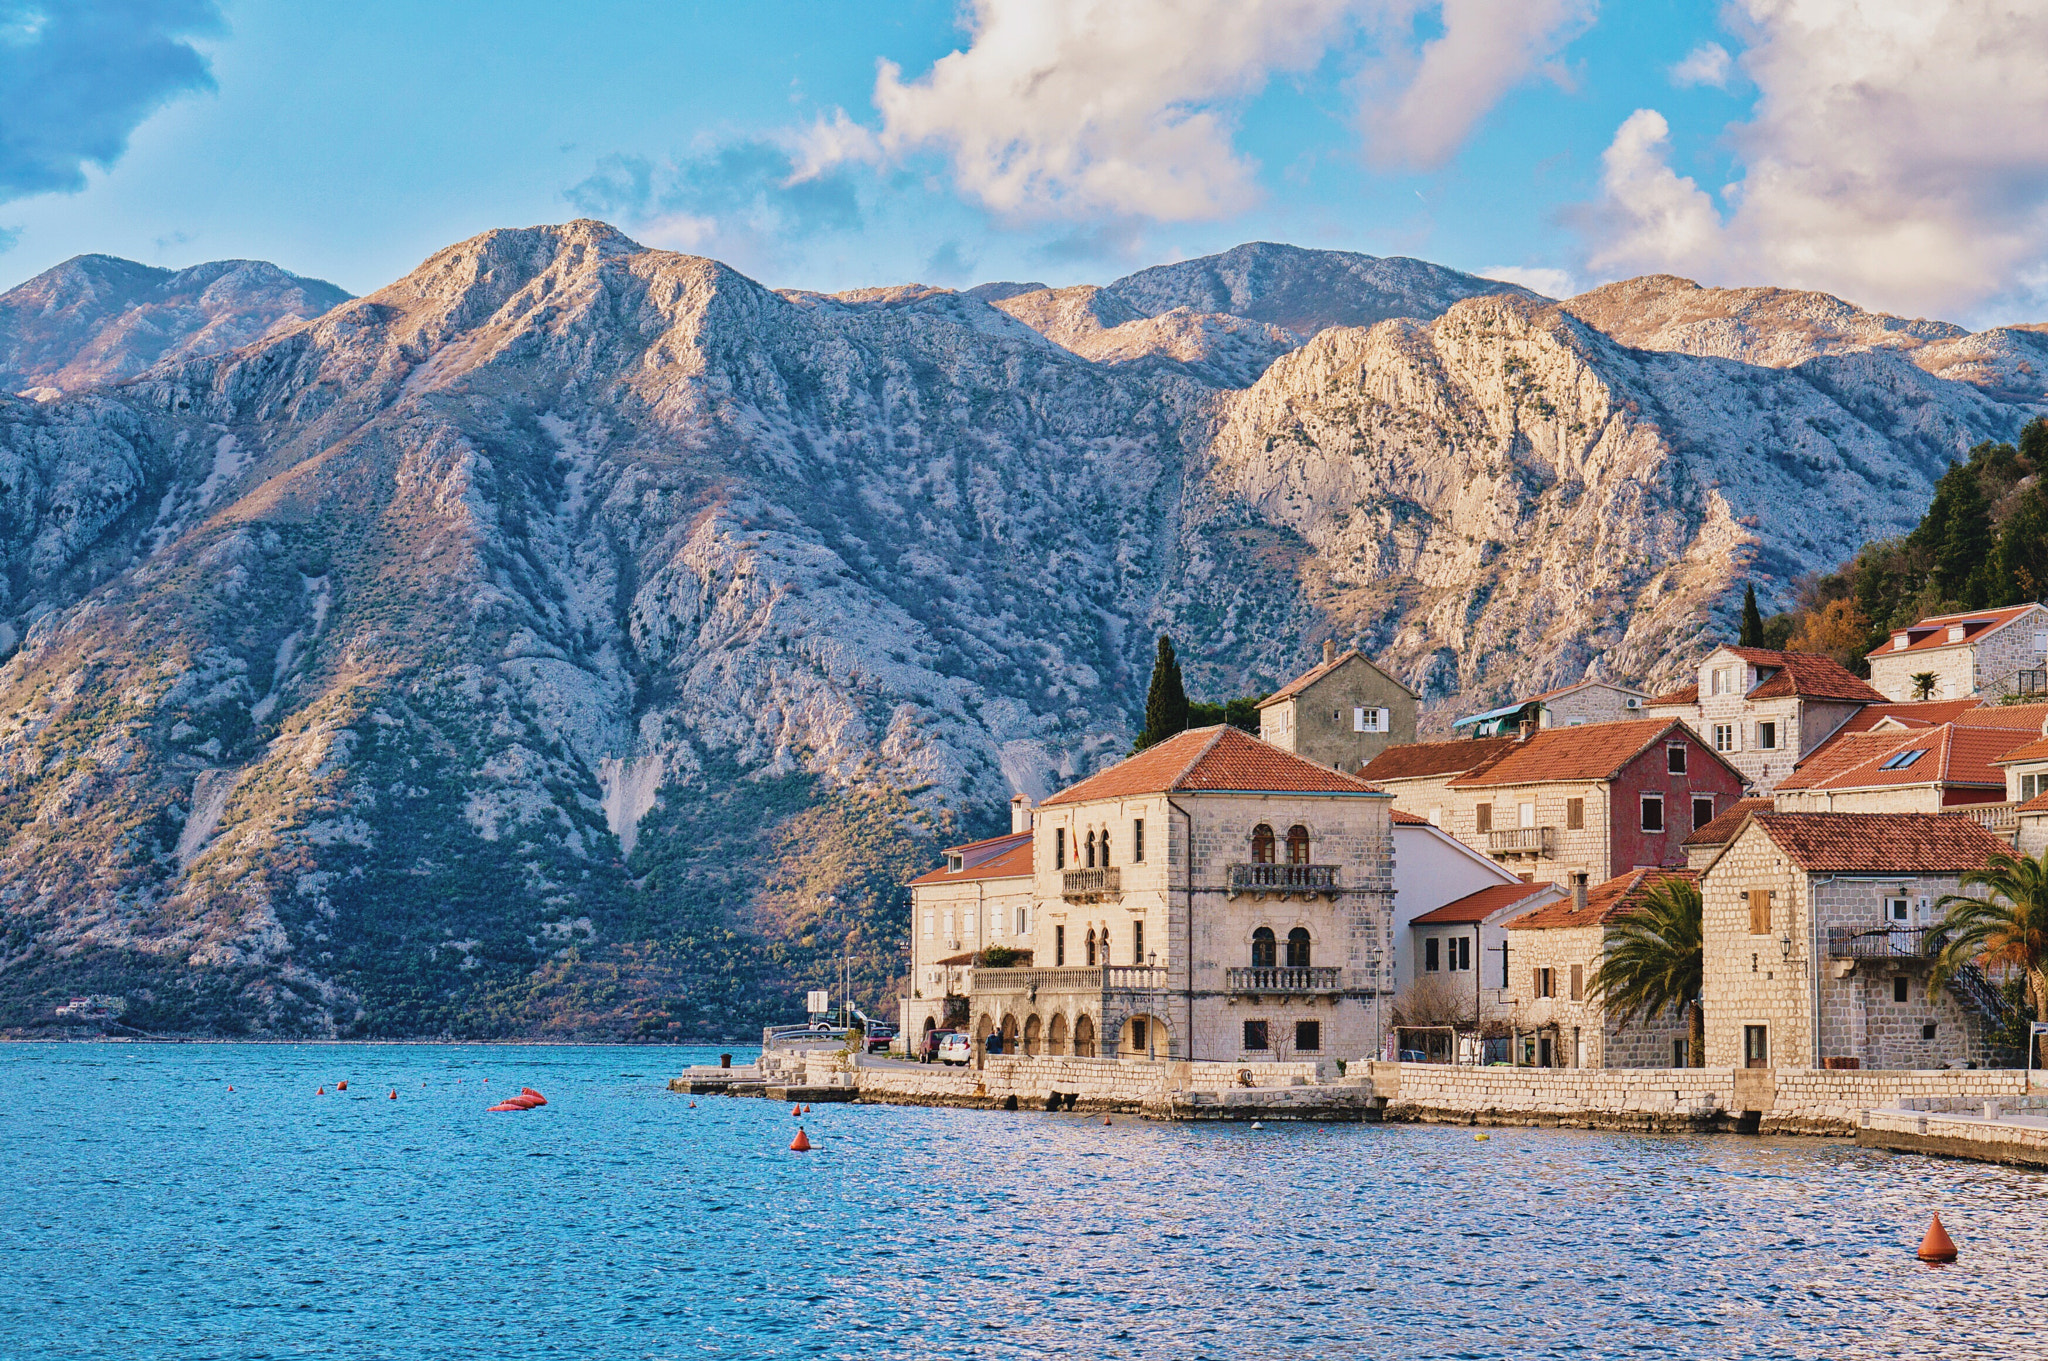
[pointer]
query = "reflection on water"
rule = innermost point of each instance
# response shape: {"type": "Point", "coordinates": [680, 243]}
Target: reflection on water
{"type": "Point", "coordinates": [146, 1211]}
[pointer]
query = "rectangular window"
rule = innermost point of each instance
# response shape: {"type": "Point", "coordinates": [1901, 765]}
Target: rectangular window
{"type": "Point", "coordinates": [1136, 1031]}
{"type": "Point", "coordinates": [2031, 787]}
{"type": "Point", "coordinates": [1308, 1037]}
{"type": "Point", "coordinates": [1432, 955]}
{"type": "Point", "coordinates": [1465, 954]}
{"type": "Point", "coordinates": [1678, 1053]}
{"type": "Point", "coordinates": [1702, 810]}
{"type": "Point", "coordinates": [931, 921]}
{"type": "Point", "coordinates": [1137, 942]}
{"type": "Point", "coordinates": [1724, 737]}
{"type": "Point", "coordinates": [1436, 817]}
{"type": "Point", "coordinates": [1545, 983]}
{"type": "Point", "coordinates": [1759, 912]}
{"type": "Point", "coordinates": [1767, 736]}
{"type": "Point", "coordinates": [1483, 817]}
{"type": "Point", "coordinates": [1653, 812]}
{"type": "Point", "coordinates": [1903, 760]}
{"type": "Point", "coordinates": [1138, 841]}
{"type": "Point", "coordinates": [1674, 758]}
{"type": "Point", "coordinates": [1059, 848]}
{"type": "Point", "coordinates": [1899, 988]}
{"type": "Point", "coordinates": [1574, 814]}
{"type": "Point", "coordinates": [1059, 946]}
{"type": "Point", "coordinates": [1368, 720]}
{"type": "Point", "coordinates": [1255, 1036]}
{"type": "Point", "coordinates": [1525, 815]}
{"type": "Point", "coordinates": [1897, 912]}
{"type": "Point", "coordinates": [1503, 966]}
{"type": "Point", "coordinates": [1756, 1046]}
{"type": "Point", "coordinates": [1578, 982]}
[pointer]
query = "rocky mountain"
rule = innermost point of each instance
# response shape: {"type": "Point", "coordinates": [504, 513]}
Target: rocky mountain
{"type": "Point", "coordinates": [96, 319]}
{"type": "Point", "coordinates": [573, 638]}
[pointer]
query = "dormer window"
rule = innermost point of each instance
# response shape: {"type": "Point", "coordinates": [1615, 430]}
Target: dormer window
{"type": "Point", "coordinates": [953, 862]}
{"type": "Point", "coordinates": [1956, 633]}
{"type": "Point", "coordinates": [1901, 641]}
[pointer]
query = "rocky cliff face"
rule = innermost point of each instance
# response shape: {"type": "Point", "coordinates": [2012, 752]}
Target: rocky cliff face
{"type": "Point", "coordinates": [96, 319]}
{"type": "Point", "coordinates": [576, 638]}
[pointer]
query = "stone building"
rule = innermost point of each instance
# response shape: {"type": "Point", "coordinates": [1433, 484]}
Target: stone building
{"type": "Point", "coordinates": [1419, 774]}
{"type": "Point", "coordinates": [1706, 842]}
{"type": "Point", "coordinates": [1570, 706]}
{"type": "Point", "coordinates": [1341, 714]}
{"type": "Point", "coordinates": [1458, 956]}
{"type": "Point", "coordinates": [980, 897]}
{"type": "Point", "coordinates": [1573, 805]}
{"type": "Point", "coordinates": [1815, 928]}
{"type": "Point", "coordinates": [1978, 652]}
{"type": "Point", "coordinates": [2026, 775]}
{"type": "Point", "coordinates": [1763, 710]}
{"type": "Point", "coordinates": [1212, 897]}
{"type": "Point", "coordinates": [1558, 1021]}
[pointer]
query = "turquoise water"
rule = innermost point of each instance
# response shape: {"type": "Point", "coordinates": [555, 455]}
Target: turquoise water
{"type": "Point", "coordinates": [146, 1211]}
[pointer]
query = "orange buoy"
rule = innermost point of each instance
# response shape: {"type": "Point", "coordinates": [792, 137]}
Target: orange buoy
{"type": "Point", "coordinates": [1105, 1119]}
{"type": "Point", "coordinates": [341, 1086]}
{"type": "Point", "coordinates": [321, 1092]}
{"type": "Point", "coordinates": [807, 1108]}
{"type": "Point", "coordinates": [231, 1089]}
{"type": "Point", "coordinates": [693, 1105]}
{"type": "Point", "coordinates": [800, 1144]}
{"type": "Point", "coordinates": [529, 1094]}
{"type": "Point", "coordinates": [394, 1093]}
{"type": "Point", "coordinates": [796, 1110]}
{"type": "Point", "coordinates": [1937, 1246]}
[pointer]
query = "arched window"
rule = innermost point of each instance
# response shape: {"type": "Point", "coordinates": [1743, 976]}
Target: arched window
{"type": "Point", "coordinates": [1091, 848]}
{"type": "Point", "coordinates": [1105, 848]}
{"type": "Point", "coordinates": [1262, 845]}
{"type": "Point", "coordinates": [1262, 948]}
{"type": "Point", "coordinates": [1297, 845]}
{"type": "Point", "coordinates": [1297, 948]}
{"type": "Point", "coordinates": [1091, 945]}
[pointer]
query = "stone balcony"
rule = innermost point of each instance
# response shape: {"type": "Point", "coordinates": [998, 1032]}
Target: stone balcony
{"type": "Point", "coordinates": [1311, 881]}
{"type": "Point", "coordinates": [1288, 980]}
{"type": "Point", "coordinates": [1087, 980]}
{"type": "Point", "coordinates": [1092, 886]}
{"type": "Point", "coordinates": [1536, 842]}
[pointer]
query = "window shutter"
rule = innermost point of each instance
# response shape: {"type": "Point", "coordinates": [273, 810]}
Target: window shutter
{"type": "Point", "coordinates": [1484, 817]}
{"type": "Point", "coordinates": [1574, 814]}
{"type": "Point", "coordinates": [1760, 912]}
{"type": "Point", "coordinates": [1535, 983]}
{"type": "Point", "coordinates": [1578, 982]}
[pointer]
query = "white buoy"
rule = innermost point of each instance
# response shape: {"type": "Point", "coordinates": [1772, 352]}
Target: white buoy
{"type": "Point", "coordinates": [1257, 1125]}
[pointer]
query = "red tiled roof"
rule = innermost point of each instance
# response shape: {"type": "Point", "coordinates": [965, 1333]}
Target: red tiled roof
{"type": "Point", "coordinates": [1808, 675]}
{"type": "Point", "coordinates": [1013, 863]}
{"type": "Point", "coordinates": [1688, 694]}
{"type": "Point", "coordinates": [2036, 750]}
{"type": "Point", "coordinates": [1474, 907]}
{"type": "Point", "coordinates": [1418, 760]}
{"type": "Point", "coordinates": [1844, 751]}
{"type": "Point", "coordinates": [1316, 673]}
{"type": "Point", "coordinates": [1217, 759]}
{"type": "Point", "coordinates": [2031, 719]}
{"type": "Point", "coordinates": [2037, 804]}
{"type": "Point", "coordinates": [1916, 714]}
{"type": "Point", "coordinates": [1594, 751]}
{"type": "Point", "coordinates": [1722, 829]}
{"type": "Point", "coordinates": [1407, 819]}
{"type": "Point", "coordinates": [1952, 756]}
{"type": "Point", "coordinates": [1617, 897]}
{"type": "Point", "coordinates": [1935, 629]}
{"type": "Point", "coordinates": [1881, 843]}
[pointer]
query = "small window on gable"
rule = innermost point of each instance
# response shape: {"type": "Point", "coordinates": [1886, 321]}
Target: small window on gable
{"type": "Point", "coordinates": [953, 862]}
{"type": "Point", "coordinates": [1759, 912]}
{"type": "Point", "coordinates": [1674, 758]}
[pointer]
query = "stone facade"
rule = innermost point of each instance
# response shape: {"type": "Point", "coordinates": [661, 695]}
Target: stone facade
{"type": "Point", "coordinates": [1589, 702]}
{"type": "Point", "coordinates": [1340, 715]}
{"type": "Point", "coordinates": [1762, 736]}
{"type": "Point", "coordinates": [1795, 984]}
{"type": "Point", "coordinates": [1963, 662]}
{"type": "Point", "coordinates": [1578, 1029]}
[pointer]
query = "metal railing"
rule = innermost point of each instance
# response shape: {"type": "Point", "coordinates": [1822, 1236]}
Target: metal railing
{"type": "Point", "coordinates": [1283, 878]}
{"type": "Point", "coordinates": [1285, 978]}
{"type": "Point", "coordinates": [1087, 885]}
{"type": "Point", "coordinates": [1522, 841]}
{"type": "Point", "coordinates": [1884, 942]}
{"type": "Point", "coordinates": [1081, 978]}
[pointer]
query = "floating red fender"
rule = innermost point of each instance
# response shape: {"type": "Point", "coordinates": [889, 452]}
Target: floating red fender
{"type": "Point", "coordinates": [509, 1106]}
{"type": "Point", "coordinates": [538, 1099]}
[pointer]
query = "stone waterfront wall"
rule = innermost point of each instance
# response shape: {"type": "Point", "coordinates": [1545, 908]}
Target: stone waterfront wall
{"type": "Point", "coordinates": [1100, 1084]}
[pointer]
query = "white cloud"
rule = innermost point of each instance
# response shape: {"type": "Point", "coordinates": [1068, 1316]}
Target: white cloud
{"type": "Point", "coordinates": [1108, 109]}
{"type": "Point", "coordinates": [1898, 157]}
{"type": "Point", "coordinates": [1551, 283]}
{"type": "Point", "coordinates": [1707, 64]}
{"type": "Point", "coordinates": [1487, 49]}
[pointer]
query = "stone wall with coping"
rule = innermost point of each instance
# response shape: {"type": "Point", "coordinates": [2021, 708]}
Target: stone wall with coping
{"type": "Point", "coordinates": [1101, 1084]}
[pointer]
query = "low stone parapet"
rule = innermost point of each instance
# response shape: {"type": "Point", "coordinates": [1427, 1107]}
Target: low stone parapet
{"type": "Point", "coordinates": [2018, 1139]}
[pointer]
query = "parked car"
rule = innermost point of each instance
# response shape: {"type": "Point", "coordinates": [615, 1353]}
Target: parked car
{"type": "Point", "coordinates": [879, 1038]}
{"type": "Point", "coordinates": [955, 1047]}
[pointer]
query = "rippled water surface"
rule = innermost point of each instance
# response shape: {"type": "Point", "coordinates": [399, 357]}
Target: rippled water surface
{"type": "Point", "coordinates": [146, 1210]}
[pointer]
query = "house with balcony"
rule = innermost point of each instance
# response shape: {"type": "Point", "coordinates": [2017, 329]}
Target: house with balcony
{"type": "Point", "coordinates": [980, 897]}
{"type": "Point", "coordinates": [1763, 710]}
{"type": "Point", "coordinates": [1578, 806]}
{"type": "Point", "coordinates": [1816, 933]}
{"type": "Point", "coordinates": [1557, 1020]}
{"type": "Point", "coordinates": [1433, 870]}
{"type": "Point", "coordinates": [2001, 653]}
{"type": "Point", "coordinates": [1212, 897]}
{"type": "Point", "coordinates": [1340, 714]}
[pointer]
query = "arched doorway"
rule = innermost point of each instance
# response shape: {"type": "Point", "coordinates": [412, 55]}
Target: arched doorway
{"type": "Point", "coordinates": [1084, 1037]}
{"type": "Point", "coordinates": [1265, 953]}
{"type": "Point", "coordinates": [1297, 948]}
{"type": "Point", "coordinates": [1143, 1037]}
{"type": "Point", "coordinates": [983, 1028]}
{"type": "Point", "coordinates": [1034, 1032]}
{"type": "Point", "coordinates": [1056, 1035]}
{"type": "Point", "coordinates": [1009, 1034]}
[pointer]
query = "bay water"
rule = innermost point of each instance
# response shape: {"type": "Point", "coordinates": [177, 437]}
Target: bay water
{"type": "Point", "coordinates": [148, 1211]}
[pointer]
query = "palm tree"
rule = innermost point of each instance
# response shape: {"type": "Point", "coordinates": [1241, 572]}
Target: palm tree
{"type": "Point", "coordinates": [1924, 683]}
{"type": "Point", "coordinates": [2004, 924]}
{"type": "Point", "coordinates": [1655, 958]}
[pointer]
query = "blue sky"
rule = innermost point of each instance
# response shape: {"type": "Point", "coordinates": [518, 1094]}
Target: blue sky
{"type": "Point", "coordinates": [836, 145]}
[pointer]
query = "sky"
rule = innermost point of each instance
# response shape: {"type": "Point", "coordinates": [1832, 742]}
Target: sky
{"type": "Point", "coordinates": [1895, 154]}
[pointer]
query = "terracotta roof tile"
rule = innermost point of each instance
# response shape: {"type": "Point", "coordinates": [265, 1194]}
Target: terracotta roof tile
{"type": "Point", "coordinates": [1950, 756]}
{"type": "Point", "coordinates": [1014, 863]}
{"type": "Point", "coordinates": [1594, 751]}
{"type": "Point", "coordinates": [1935, 629]}
{"type": "Point", "coordinates": [1808, 675]}
{"type": "Point", "coordinates": [2037, 804]}
{"type": "Point", "coordinates": [1419, 760]}
{"type": "Point", "coordinates": [1479, 906]}
{"type": "Point", "coordinates": [1881, 843]}
{"type": "Point", "coordinates": [1722, 829]}
{"type": "Point", "coordinates": [1686, 694]}
{"type": "Point", "coordinates": [2031, 719]}
{"type": "Point", "coordinates": [2036, 750]}
{"type": "Point", "coordinates": [1407, 819]}
{"type": "Point", "coordinates": [1617, 897]}
{"type": "Point", "coordinates": [1222, 758]}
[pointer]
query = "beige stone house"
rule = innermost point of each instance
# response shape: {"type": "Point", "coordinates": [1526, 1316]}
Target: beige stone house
{"type": "Point", "coordinates": [1558, 1022]}
{"type": "Point", "coordinates": [1212, 897]}
{"type": "Point", "coordinates": [1763, 710]}
{"type": "Point", "coordinates": [1570, 706]}
{"type": "Point", "coordinates": [1341, 714]}
{"type": "Point", "coordinates": [980, 897]}
{"type": "Point", "coordinates": [1419, 774]}
{"type": "Point", "coordinates": [1976, 652]}
{"type": "Point", "coordinates": [1816, 929]}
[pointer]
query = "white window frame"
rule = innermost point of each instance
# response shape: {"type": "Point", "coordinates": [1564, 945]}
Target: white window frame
{"type": "Point", "coordinates": [1643, 802]}
{"type": "Point", "coordinates": [1772, 725]}
{"type": "Point", "coordinates": [1727, 737]}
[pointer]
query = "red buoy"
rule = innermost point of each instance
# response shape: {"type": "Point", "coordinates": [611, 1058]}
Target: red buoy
{"type": "Point", "coordinates": [508, 1106]}
{"type": "Point", "coordinates": [800, 1144]}
{"type": "Point", "coordinates": [394, 1093]}
{"type": "Point", "coordinates": [1937, 1246]}
{"type": "Point", "coordinates": [321, 1092]}
{"type": "Point", "coordinates": [1105, 1119]}
{"type": "Point", "coordinates": [341, 1086]}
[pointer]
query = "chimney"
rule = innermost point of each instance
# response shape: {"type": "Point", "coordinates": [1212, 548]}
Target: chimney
{"type": "Point", "coordinates": [1578, 893]}
{"type": "Point", "coordinates": [1329, 651]}
{"type": "Point", "coordinates": [1020, 813]}
{"type": "Point", "coordinates": [1522, 730]}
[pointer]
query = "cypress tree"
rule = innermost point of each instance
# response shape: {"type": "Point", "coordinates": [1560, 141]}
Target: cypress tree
{"type": "Point", "coordinates": [1752, 620]}
{"type": "Point", "coordinates": [2020, 569]}
{"type": "Point", "coordinates": [1166, 703]}
{"type": "Point", "coordinates": [1965, 543]}
{"type": "Point", "coordinates": [2034, 444]}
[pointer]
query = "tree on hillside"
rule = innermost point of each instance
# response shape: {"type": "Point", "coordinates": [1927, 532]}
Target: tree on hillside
{"type": "Point", "coordinates": [1752, 619]}
{"type": "Point", "coordinates": [2003, 925]}
{"type": "Point", "coordinates": [1837, 629]}
{"type": "Point", "coordinates": [1656, 958]}
{"type": "Point", "coordinates": [1166, 703]}
{"type": "Point", "coordinates": [1965, 543]}
{"type": "Point", "coordinates": [2020, 567]}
